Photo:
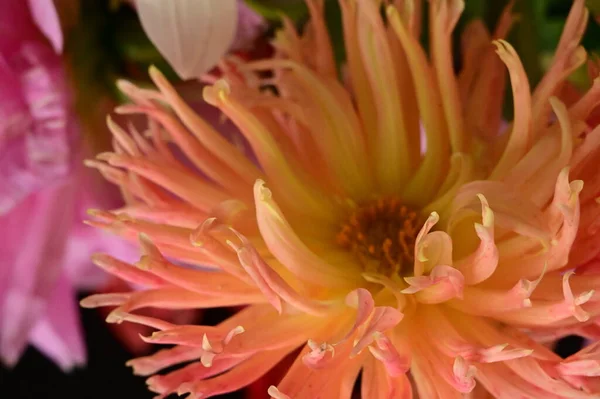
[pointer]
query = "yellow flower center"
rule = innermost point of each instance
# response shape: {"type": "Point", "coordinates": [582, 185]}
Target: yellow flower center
{"type": "Point", "coordinates": [382, 234]}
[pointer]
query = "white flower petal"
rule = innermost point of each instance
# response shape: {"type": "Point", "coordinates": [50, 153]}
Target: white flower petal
{"type": "Point", "coordinates": [191, 34]}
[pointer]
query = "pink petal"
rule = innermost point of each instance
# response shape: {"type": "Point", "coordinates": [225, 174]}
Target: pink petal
{"type": "Point", "coordinates": [46, 18]}
{"type": "Point", "coordinates": [37, 129]}
{"type": "Point", "coordinates": [58, 333]}
{"type": "Point", "coordinates": [32, 271]}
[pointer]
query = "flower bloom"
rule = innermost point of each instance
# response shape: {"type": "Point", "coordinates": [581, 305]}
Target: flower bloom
{"type": "Point", "coordinates": [43, 192]}
{"type": "Point", "coordinates": [390, 226]}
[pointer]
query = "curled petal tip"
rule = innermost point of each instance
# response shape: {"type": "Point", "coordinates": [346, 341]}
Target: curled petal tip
{"type": "Point", "coordinates": [143, 264]}
{"type": "Point", "coordinates": [184, 389]}
{"type": "Point", "coordinates": [216, 93]}
{"type": "Point", "coordinates": [148, 246]}
{"type": "Point", "coordinates": [116, 317]}
{"type": "Point", "coordinates": [276, 393]}
{"type": "Point", "coordinates": [464, 374]}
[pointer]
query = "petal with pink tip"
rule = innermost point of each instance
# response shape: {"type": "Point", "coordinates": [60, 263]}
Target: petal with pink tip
{"type": "Point", "coordinates": [482, 263]}
{"type": "Point", "coordinates": [382, 319]}
{"type": "Point", "coordinates": [384, 351]}
{"type": "Point", "coordinates": [288, 248]}
{"type": "Point", "coordinates": [377, 384]}
{"type": "Point", "coordinates": [273, 286]}
{"type": "Point", "coordinates": [238, 377]}
{"type": "Point", "coordinates": [443, 284]}
{"type": "Point", "coordinates": [463, 375]}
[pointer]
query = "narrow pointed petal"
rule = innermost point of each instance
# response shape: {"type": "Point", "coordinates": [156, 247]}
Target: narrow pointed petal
{"type": "Point", "coordinates": [482, 263]}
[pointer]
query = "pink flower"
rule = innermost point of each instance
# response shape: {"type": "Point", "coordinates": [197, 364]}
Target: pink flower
{"type": "Point", "coordinates": [45, 250]}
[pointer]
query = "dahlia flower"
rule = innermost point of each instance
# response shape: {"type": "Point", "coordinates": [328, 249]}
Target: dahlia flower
{"type": "Point", "coordinates": [44, 253]}
{"type": "Point", "coordinates": [388, 224]}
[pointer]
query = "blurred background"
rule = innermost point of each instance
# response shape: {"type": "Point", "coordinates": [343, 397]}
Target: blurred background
{"type": "Point", "coordinates": [105, 41]}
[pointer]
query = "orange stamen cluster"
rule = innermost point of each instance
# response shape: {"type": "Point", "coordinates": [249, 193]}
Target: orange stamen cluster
{"type": "Point", "coordinates": [382, 235]}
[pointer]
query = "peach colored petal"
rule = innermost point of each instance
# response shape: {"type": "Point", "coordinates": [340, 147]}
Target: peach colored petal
{"type": "Point", "coordinates": [427, 226]}
{"type": "Point", "coordinates": [200, 281]}
{"type": "Point", "coordinates": [520, 137]}
{"type": "Point", "coordinates": [428, 175]}
{"type": "Point", "coordinates": [442, 284]}
{"type": "Point", "coordinates": [462, 170]}
{"type": "Point", "coordinates": [484, 92]}
{"type": "Point", "coordinates": [494, 378]}
{"type": "Point", "coordinates": [176, 214]}
{"type": "Point", "coordinates": [512, 210]}
{"type": "Point", "coordinates": [395, 287]}
{"type": "Point", "coordinates": [482, 263]}
{"type": "Point", "coordinates": [386, 353]}
{"type": "Point", "coordinates": [481, 301]}
{"type": "Point", "coordinates": [324, 62]}
{"type": "Point", "coordinates": [127, 272]}
{"type": "Point", "coordinates": [205, 133]}
{"type": "Point", "coordinates": [275, 393]}
{"type": "Point", "coordinates": [166, 298]}
{"type": "Point", "coordinates": [378, 385]}
{"type": "Point", "coordinates": [389, 144]}
{"type": "Point", "coordinates": [272, 285]}
{"type": "Point", "coordinates": [288, 248]}
{"type": "Point", "coordinates": [563, 214]}
{"type": "Point", "coordinates": [283, 333]}
{"type": "Point", "coordinates": [166, 384]}
{"type": "Point", "coordinates": [363, 302]}
{"type": "Point", "coordinates": [568, 56]}
{"type": "Point", "coordinates": [586, 362]}
{"type": "Point", "coordinates": [236, 378]}
{"type": "Point", "coordinates": [205, 238]}
{"type": "Point", "coordinates": [304, 382]}
{"type": "Point", "coordinates": [359, 83]}
{"type": "Point", "coordinates": [277, 168]}
{"type": "Point", "coordinates": [382, 319]}
{"type": "Point", "coordinates": [464, 375]}
{"type": "Point", "coordinates": [196, 153]}
{"type": "Point", "coordinates": [344, 141]}
{"type": "Point", "coordinates": [444, 15]}
{"type": "Point", "coordinates": [179, 181]}
{"type": "Point", "coordinates": [148, 365]}
{"type": "Point", "coordinates": [434, 249]}
{"type": "Point", "coordinates": [535, 173]}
